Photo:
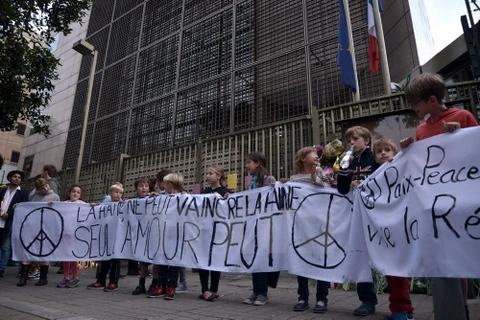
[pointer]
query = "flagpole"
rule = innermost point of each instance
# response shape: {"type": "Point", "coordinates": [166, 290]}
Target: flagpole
{"type": "Point", "coordinates": [346, 8]}
{"type": "Point", "coordinates": [381, 47]}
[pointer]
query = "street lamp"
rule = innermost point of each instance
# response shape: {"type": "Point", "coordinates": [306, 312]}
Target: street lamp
{"type": "Point", "coordinates": [85, 49]}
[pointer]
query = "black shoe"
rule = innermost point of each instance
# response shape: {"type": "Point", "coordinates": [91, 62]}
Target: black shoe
{"type": "Point", "coordinates": [320, 307]}
{"type": "Point", "coordinates": [140, 289]}
{"type": "Point", "coordinates": [41, 282]}
{"type": "Point", "coordinates": [2, 272]}
{"type": "Point", "coordinates": [364, 310]}
{"type": "Point", "coordinates": [302, 305]}
{"type": "Point", "coordinates": [43, 276]}
{"type": "Point", "coordinates": [23, 275]}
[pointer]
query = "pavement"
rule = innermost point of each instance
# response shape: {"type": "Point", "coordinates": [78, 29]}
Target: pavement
{"type": "Point", "coordinates": [49, 302]}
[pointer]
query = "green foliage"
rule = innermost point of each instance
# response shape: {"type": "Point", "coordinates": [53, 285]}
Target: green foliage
{"type": "Point", "coordinates": [27, 67]}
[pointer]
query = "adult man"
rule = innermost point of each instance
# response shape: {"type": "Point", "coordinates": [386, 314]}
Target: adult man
{"type": "Point", "coordinates": [9, 197]}
{"type": "Point", "coordinates": [48, 172]}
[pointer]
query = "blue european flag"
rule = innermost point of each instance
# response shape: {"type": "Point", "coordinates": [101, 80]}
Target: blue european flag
{"type": "Point", "coordinates": [344, 53]}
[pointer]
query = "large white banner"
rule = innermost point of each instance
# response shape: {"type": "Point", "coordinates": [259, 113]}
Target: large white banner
{"type": "Point", "coordinates": [421, 212]}
{"type": "Point", "coordinates": [416, 216]}
{"type": "Point", "coordinates": [295, 227]}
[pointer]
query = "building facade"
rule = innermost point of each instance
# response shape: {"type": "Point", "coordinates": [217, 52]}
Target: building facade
{"type": "Point", "coordinates": [11, 144]}
{"type": "Point", "coordinates": [36, 149]}
{"type": "Point", "coordinates": [175, 72]}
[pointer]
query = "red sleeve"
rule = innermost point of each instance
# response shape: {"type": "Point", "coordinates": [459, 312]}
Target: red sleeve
{"type": "Point", "coordinates": [469, 121]}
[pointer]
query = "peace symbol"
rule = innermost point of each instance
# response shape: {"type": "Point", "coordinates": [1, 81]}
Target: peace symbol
{"type": "Point", "coordinates": [35, 238]}
{"type": "Point", "coordinates": [311, 237]}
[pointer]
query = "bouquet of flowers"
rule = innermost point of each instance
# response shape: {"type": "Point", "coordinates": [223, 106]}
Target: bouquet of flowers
{"type": "Point", "coordinates": [332, 151]}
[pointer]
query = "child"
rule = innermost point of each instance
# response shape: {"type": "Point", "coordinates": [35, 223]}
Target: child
{"type": "Point", "coordinates": [400, 303]}
{"type": "Point", "coordinates": [43, 194]}
{"type": "Point", "coordinates": [108, 198]}
{"type": "Point", "coordinates": [425, 96]}
{"type": "Point", "coordinates": [157, 291]}
{"type": "Point", "coordinates": [216, 180]}
{"type": "Point", "coordinates": [115, 192]}
{"type": "Point", "coordinates": [361, 166]}
{"type": "Point", "coordinates": [74, 194]}
{"type": "Point", "coordinates": [257, 168]}
{"type": "Point", "coordinates": [168, 275]}
{"type": "Point", "coordinates": [306, 164]}
{"type": "Point", "coordinates": [143, 189]}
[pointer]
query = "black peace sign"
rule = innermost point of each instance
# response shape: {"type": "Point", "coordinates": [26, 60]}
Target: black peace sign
{"type": "Point", "coordinates": [312, 239]}
{"type": "Point", "coordinates": [34, 238]}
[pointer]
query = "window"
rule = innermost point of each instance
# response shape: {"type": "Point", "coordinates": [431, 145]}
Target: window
{"type": "Point", "coordinates": [21, 129]}
{"type": "Point", "coordinates": [27, 164]}
{"type": "Point", "coordinates": [15, 157]}
{"type": "Point", "coordinates": [392, 125]}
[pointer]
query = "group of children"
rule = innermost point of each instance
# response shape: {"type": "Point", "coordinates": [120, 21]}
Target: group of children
{"type": "Point", "coordinates": [424, 95]}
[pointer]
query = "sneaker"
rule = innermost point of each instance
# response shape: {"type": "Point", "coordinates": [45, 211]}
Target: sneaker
{"type": "Point", "coordinates": [261, 301]}
{"type": "Point", "coordinates": [34, 275]}
{"type": "Point", "coordinates": [181, 288]}
{"type": "Point", "coordinates": [301, 305]}
{"type": "Point", "coordinates": [399, 316]}
{"type": "Point", "coordinates": [170, 293]}
{"type": "Point", "coordinates": [95, 286]}
{"type": "Point", "coordinates": [364, 310]}
{"type": "Point", "coordinates": [110, 287]}
{"type": "Point", "coordinates": [140, 289]}
{"type": "Point", "coordinates": [63, 283]}
{"type": "Point", "coordinates": [320, 307]}
{"type": "Point", "coordinates": [73, 283]}
{"type": "Point", "coordinates": [251, 299]}
{"type": "Point", "coordinates": [156, 292]}
{"type": "Point", "coordinates": [150, 288]}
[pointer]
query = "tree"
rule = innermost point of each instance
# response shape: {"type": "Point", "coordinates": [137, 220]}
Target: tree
{"type": "Point", "coordinates": [27, 67]}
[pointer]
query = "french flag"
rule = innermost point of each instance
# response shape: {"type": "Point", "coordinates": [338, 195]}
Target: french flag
{"type": "Point", "coordinates": [373, 50]}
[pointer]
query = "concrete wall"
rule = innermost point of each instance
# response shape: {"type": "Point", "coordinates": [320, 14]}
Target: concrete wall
{"type": "Point", "coordinates": [52, 150]}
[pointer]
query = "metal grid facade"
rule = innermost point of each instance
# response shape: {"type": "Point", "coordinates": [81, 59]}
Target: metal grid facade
{"type": "Point", "coordinates": [279, 142]}
{"type": "Point", "coordinates": [176, 72]}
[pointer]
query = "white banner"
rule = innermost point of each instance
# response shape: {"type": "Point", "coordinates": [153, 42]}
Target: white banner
{"type": "Point", "coordinates": [416, 216]}
{"type": "Point", "coordinates": [421, 212]}
{"type": "Point", "coordinates": [295, 227]}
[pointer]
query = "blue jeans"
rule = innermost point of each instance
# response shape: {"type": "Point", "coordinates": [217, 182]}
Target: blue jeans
{"type": "Point", "coordinates": [5, 248]}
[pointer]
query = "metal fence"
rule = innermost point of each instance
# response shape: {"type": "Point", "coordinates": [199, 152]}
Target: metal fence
{"type": "Point", "coordinates": [278, 141]}
{"type": "Point", "coordinates": [177, 72]}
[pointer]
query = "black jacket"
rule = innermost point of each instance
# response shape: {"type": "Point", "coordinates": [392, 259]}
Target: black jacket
{"type": "Point", "coordinates": [20, 196]}
{"type": "Point", "coordinates": [359, 169]}
{"type": "Point", "coordinates": [220, 190]}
